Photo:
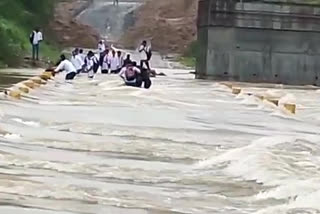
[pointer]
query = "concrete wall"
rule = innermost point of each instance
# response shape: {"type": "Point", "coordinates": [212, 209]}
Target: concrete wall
{"type": "Point", "coordinates": [259, 42]}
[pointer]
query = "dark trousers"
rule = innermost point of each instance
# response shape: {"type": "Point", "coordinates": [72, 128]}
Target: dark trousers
{"type": "Point", "coordinates": [101, 59]}
{"type": "Point", "coordinates": [114, 71]}
{"type": "Point", "coordinates": [105, 71]}
{"type": "Point", "coordinates": [137, 83]}
{"type": "Point", "coordinates": [145, 61]}
{"type": "Point", "coordinates": [35, 52]}
{"type": "Point", "coordinates": [95, 67]}
{"type": "Point", "coordinates": [70, 76]}
{"type": "Point", "coordinates": [145, 78]}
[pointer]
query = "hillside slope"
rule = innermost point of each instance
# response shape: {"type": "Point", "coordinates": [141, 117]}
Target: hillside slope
{"type": "Point", "coordinates": [69, 32]}
{"type": "Point", "coordinates": [169, 25]}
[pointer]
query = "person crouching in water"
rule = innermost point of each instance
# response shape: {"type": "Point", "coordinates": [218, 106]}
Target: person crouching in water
{"type": "Point", "coordinates": [77, 61]}
{"type": "Point", "coordinates": [67, 66]}
{"type": "Point", "coordinates": [114, 63]}
{"type": "Point", "coordinates": [131, 75]}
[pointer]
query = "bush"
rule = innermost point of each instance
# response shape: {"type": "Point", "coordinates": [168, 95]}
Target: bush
{"type": "Point", "coordinates": [12, 43]}
{"type": "Point", "coordinates": [17, 20]}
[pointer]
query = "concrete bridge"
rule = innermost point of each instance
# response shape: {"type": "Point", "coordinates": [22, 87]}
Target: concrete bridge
{"type": "Point", "coordinates": [259, 41]}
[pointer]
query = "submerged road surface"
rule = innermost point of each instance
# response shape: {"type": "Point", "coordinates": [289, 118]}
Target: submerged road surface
{"type": "Point", "coordinates": [185, 146]}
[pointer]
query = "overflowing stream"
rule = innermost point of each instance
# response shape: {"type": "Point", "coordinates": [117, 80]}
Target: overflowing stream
{"type": "Point", "coordinates": [184, 146]}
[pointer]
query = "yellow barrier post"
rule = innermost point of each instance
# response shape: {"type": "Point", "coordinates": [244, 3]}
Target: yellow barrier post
{"type": "Point", "coordinates": [290, 107]}
{"type": "Point", "coordinates": [274, 101]}
{"type": "Point", "coordinates": [29, 84]}
{"type": "Point", "coordinates": [24, 89]}
{"type": "Point", "coordinates": [14, 94]}
{"type": "Point", "coordinates": [236, 90]}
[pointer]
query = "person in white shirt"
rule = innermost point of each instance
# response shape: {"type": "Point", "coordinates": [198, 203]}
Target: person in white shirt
{"type": "Point", "coordinates": [121, 60]}
{"type": "Point", "coordinates": [131, 75]}
{"type": "Point", "coordinates": [91, 64]}
{"type": "Point", "coordinates": [105, 64]}
{"type": "Point", "coordinates": [36, 38]}
{"type": "Point", "coordinates": [82, 55]}
{"type": "Point", "coordinates": [77, 61]}
{"type": "Point", "coordinates": [67, 66]}
{"type": "Point", "coordinates": [114, 63]}
{"type": "Point", "coordinates": [101, 49]}
{"type": "Point", "coordinates": [145, 54]}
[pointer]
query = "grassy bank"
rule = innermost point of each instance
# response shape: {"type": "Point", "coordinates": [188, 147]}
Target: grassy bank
{"type": "Point", "coordinates": [189, 57]}
{"type": "Point", "coordinates": [17, 20]}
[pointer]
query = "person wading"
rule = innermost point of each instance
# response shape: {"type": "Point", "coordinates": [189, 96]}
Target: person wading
{"type": "Point", "coordinates": [77, 61]}
{"type": "Point", "coordinates": [105, 65]}
{"type": "Point", "coordinates": [145, 55]}
{"type": "Point", "coordinates": [36, 38]}
{"type": "Point", "coordinates": [127, 60]}
{"type": "Point", "coordinates": [114, 63]}
{"type": "Point", "coordinates": [131, 75]}
{"type": "Point", "coordinates": [67, 66]}
{"type": "Point", "coordinates": [121, 61]}
{"type": "Point", "coordinates": [101, 49]}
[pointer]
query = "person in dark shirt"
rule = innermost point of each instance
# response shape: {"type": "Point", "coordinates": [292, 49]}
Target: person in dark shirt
{"type": "Point", "coordinates": [127, 60]}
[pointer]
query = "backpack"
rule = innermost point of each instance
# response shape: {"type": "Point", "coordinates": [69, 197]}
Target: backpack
{"type": "Point", "coordinates": [31, 37]}
{"type": "Point", "coordinates": [130, 74]}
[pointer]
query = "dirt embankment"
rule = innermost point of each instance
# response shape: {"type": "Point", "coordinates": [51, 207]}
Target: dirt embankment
{"type": "Point", "coordinates": [170, 25]}
{"type": "Point", "coordinates": [68, 31]}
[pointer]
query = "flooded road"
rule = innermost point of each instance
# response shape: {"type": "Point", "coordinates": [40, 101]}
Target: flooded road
{"type": "Point", "coordinates": [185, 146]}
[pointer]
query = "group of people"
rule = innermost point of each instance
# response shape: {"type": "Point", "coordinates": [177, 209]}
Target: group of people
{"type": "Point", "coordinates": [109, 61]}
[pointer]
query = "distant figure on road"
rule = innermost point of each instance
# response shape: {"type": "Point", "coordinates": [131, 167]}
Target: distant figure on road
{"type": "Point", "coordinates": [35, 40]}
{"type": "Point", "coordinates": [116, 2]}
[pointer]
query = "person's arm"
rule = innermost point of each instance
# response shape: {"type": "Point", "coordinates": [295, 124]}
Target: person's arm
{"type": "Point", "coordinates": [137, 70]}
{"type": "Point", "coordinates": [60, 67]}
{"type": "Point", "coordinates": [122, 72]}
{"type": "Point", "coordinates": [141, 48]}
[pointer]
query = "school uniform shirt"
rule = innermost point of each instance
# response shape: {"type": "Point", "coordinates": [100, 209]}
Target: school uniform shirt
{"type": "Point", "coordinates": [101, 47]}
{"type": "Point", "coordinates": [88, 63]}
{"type": "Point", "coordinates": [114, 63]}
{"type": "Point", "coordinates": [121, 62]}
{"type": "Point", "coordinates": [123, 74]}
{"type": "Point", "coordinates": [36, 37]}
{"type": "Point", "coordinates": [105, 64]}
{"type": "Point", "coordinates": [66, 66]}
{"type": "Point", "coordinates": [83, 57]}
{"type": "Point", "coordinates": [77, 62]}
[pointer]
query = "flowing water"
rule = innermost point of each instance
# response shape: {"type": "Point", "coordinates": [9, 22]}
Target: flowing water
{"type": "Point", "coordinates": [184, 146]}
